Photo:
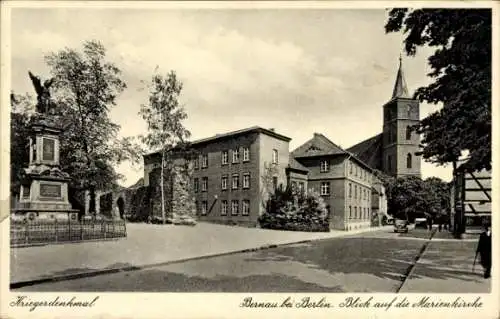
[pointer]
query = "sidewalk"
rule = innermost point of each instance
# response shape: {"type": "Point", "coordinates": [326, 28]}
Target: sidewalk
{"type": "Point", "coordinates": [148, 245]}
{"type": "Point", "coordinates": [446, 267]}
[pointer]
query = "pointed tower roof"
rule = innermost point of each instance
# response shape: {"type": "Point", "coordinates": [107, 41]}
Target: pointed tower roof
{"type": "Point", "coordinates": [400, 88]}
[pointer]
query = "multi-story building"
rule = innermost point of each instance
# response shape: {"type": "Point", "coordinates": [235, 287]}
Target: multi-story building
{"type": "Point", "coordinates": [227, 173]}
{"type": "Point", "coordinates": [344, 181]}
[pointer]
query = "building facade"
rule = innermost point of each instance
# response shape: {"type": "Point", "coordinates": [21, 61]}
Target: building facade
{"type": "Point", "coordinates": [343, 181]}
{"type": "Point", "coordinates": [227, 173]}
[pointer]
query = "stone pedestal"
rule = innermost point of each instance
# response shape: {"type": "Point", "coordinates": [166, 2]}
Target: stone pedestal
{"type": "Point", "coordinates": [44, 188]}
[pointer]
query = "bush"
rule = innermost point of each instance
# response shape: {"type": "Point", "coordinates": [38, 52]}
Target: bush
{"type": "Point", "coordinates": [289, 210]}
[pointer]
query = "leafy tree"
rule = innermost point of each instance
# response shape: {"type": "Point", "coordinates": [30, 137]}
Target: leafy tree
{"type": "Point", "coordinates": [438, 196]}
{"type": "Point", "coordinates": [22, 108]}
{"type": "Point", "coordinates": [406, 198]}
{"type": "Point", "coordinates": [461, 69]}
{"type": "Point", "coordinates": [164, 115]}
{"type": "Point", "coordinates": [85, 89]}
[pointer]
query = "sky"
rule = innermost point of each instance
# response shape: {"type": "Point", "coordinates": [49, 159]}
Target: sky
{"type": "Point", "coordinates": [299, 71]}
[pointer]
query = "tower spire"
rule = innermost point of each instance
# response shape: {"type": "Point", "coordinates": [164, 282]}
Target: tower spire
{"type": "Point", "coordinates": [400, 88]}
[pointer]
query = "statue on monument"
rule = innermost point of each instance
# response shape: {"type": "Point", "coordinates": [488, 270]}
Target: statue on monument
{"type": "Point", "coordinates": [45, 104]}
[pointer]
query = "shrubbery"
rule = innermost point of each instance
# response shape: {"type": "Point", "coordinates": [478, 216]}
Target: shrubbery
{"type": "Point", "coordinates": [297, 211]}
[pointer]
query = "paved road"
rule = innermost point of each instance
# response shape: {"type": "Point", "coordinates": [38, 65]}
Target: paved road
{"type": "Point", "coordinates": [372, 262]}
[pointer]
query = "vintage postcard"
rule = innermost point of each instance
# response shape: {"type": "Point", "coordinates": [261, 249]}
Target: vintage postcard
{"type": "Point", "coordinates": [249, 159]}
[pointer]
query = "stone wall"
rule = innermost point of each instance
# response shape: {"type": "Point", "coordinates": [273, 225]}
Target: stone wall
{"type": "Point", "coordinates": [179, 193]}
{"type": "Point", "coordinates": [183, 201]}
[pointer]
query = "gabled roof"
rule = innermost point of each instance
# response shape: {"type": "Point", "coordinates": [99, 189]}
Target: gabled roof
{"type": "Point", "coordinates": [319, 145]}
{"type": "Point", "coordinates": [400, 87]}
{"type": "Point", "coordinates": [294, 164]}
{"type": "Point", "coordinates": [369, 151]}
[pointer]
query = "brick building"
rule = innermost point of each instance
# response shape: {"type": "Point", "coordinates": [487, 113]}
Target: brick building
{"type": "Point", "coordinates": [227, 171]}
{"type": "Point", "coordinates": [229, 182]}
{"type": "Point", "coordinates": [344, 181]}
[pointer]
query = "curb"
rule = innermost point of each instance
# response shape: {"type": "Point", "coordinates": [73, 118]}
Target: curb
{"type": "Point", "coordinates": [66, 242]}
{"type": "Point", "coordinates": [26, 283]}
{"type": "Point", "coordinates": [411, 269]}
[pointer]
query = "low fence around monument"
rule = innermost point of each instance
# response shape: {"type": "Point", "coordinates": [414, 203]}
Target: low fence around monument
{"type": "Point", "coordinates": [51, 232]}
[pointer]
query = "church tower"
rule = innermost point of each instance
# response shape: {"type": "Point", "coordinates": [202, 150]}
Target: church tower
{"type": "Point", "coordinates": [399, 142]}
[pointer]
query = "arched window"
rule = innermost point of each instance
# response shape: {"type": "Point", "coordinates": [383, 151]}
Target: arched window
{"type": "Point", "coordinates": [408, 160]}
{"type": "Point", "coordinates": [408, 133]}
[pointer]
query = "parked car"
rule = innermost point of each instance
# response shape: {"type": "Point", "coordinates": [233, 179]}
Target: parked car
{"type": "Point", "coordinates": [421, 222]}
{"type": "Point", "coordinates": [401, 226]}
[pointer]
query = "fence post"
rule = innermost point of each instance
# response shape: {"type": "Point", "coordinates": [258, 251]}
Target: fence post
{"type": "Point", "coordinates": [27, 235]}
{"type": "Point", "coordinates": [69, 227]}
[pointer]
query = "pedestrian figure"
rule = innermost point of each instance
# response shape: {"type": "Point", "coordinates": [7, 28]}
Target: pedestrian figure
{"type": "Point", "coordinates": [484, 250]}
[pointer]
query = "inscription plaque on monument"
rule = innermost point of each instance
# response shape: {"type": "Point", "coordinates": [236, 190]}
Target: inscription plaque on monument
{"type": "Point", "coordinates": [50, 190]}
{"type": "Point", "coordinates": [49, 146]}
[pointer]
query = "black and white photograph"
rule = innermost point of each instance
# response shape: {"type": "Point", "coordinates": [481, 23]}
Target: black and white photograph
{"type": "Point", "coordinates": [224, 149]}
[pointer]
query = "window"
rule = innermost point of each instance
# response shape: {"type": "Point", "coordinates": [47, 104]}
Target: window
{"type": "Point", "coordinates": [294, 185]}
{"type": "Point", "coordinates": [350, 212]}
{"type": "Point", "coordinates": [408, 133]}
{"type": "Point", "coordinates": [204, 161]}
{"type": "Point", "coordinates": [325, 188]}
{"type": "Point", "coordinates": [408, 160]}
{"type": "Point", "coordinates": [350, 190]}
{"type": "Point", "coordinates": [246, 208]}
{"type": "Point", "coordinates": [204, 207]}
{"type": "Point", "coordinates": [224, 156]}
{"type": "Point", "coordinates": [275, 182]}
{"type": "Point", "coordinates": [223, 183]}
{"type": "Point", "coordinates": [246, 154]}
{"type": "Point", "coordinates": [355, 212]}
{"type": "Point", "coordinates": [275, 157]}
{"type": "Point", "coordinates": [196, 163]}
{"type": "Point", "coordinates": [246, 180]}
{"type": "Point", "coordinates": [236, 155]}
{"type": "Point", "coordinates": [223, 208]}
{"type": "Point", "coordinates": [204, 184]}
{"type": "Point", "coordinates": [236, 181]}
{"type": "Point", "coordinates": [355, 191]}
{"type": "Point", "coordinates": [389, 163]}
{"type": "Point", "coordinates": [234, 207]}
{"type": "Point", "coordinates": [350, 168]}
{"type": "Point", "coordinates": [408, 111]}
{"type": "Point", "coordinates": [196, 185]}
{"type": "Point", "coordinates": [324, 166]}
